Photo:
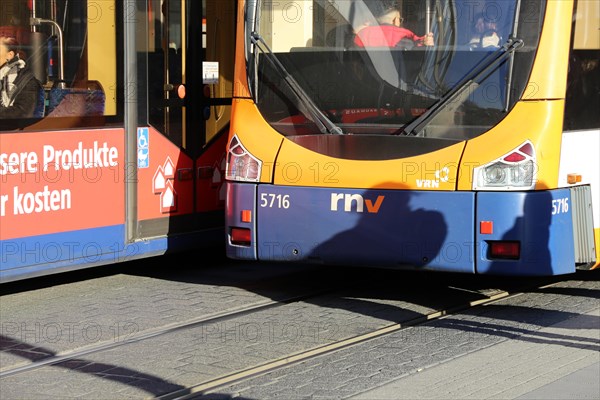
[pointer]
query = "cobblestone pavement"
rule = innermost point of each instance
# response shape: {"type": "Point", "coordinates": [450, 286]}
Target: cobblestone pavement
{"type": "Point", "coordinates": [542, 344]}
{"type": "Point", "coordinates": [112, 309]}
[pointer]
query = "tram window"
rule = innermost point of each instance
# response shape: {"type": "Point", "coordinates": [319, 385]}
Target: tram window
{"type": "Point", "coordinates": [583, 85]}
{"type": "Point", "coordinates": [161, 56]}
{"type": "Point", "coordinates": [71, 47]}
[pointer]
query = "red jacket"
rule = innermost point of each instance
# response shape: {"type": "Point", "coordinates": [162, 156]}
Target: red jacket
{"type": "Point", "coordinates": [384, 36]}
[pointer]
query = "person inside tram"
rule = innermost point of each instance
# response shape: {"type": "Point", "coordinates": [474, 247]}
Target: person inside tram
{"type": "Point", "coordinates": [388, 31]}
{"type": "Point", "coordinates": [343, 35]}
{"type": "Point", "coordinates": [484, 33]}
{"type": "Point", "coordinates": [19, 89]}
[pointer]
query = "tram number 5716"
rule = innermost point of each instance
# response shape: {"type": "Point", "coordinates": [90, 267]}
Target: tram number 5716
{"type": "Point", "coordinates": [560, 206]}
{"type": "Point", "coordinates": [271, 200]}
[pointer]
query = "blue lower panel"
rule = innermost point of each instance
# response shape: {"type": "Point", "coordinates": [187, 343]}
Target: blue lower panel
{"type": "Point", "coordinates": [240, 196]}
{"type": "Point", "coordinates": [428, 230]}
{"type": "Point", "coordinates": [541, 222]}
{"type": "Point", "coordinates": [40, 255]}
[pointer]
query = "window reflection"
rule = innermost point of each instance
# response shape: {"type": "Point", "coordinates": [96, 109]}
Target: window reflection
{"type": "Point", "coordinates": [71, 48]}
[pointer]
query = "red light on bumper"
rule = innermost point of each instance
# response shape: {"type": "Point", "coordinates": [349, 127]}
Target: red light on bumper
{"type": "Point", "coordinates": [507, 250]}
{"type": "Point", "coordinates": [241, 236]}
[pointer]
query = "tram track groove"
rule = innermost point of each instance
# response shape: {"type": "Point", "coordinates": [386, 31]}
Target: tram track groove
{"type": "Point", "coordinates": [238, 376]}
{"type": "Point", "coordinates": [163, 330]}
{"type": "Point", "coordinates": [191, 389]}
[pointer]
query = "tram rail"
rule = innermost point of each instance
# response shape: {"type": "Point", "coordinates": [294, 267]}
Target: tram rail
{"type": "Point", "coordinates": [238, 376]}
{"type": "Point", "coordinates": [151, 333]}
{"type": "Point", "coordinates": [360, 311]}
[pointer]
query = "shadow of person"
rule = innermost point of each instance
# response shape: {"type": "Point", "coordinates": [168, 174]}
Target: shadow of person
{"type": "Point", "coordinates": [149, 383]}
{"type": "Point", "coordinates": [380, 228]}
{"type": "Point", "coordinates": [543, 223]}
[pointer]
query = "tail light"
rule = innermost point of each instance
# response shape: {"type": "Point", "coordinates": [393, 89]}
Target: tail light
{"type": "Point", "coordinates": [505, 249]}
{"type": "Point", "coordinates": [240, 236]}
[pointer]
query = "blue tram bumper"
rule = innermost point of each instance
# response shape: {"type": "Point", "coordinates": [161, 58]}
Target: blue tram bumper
{"type": "Point", "coordinates": [511, 233]}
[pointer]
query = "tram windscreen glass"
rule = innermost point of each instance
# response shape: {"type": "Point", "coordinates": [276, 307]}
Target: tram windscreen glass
{"type": "Point", "coordinates": [368, 80]}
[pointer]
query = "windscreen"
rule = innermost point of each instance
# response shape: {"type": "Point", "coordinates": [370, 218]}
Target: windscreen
{"type": "Point", "coordinates": [374, 67]}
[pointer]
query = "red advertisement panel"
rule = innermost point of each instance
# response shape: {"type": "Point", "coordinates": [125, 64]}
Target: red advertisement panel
{"type": "Point", "coordinates": [61, 181]}
{"type": "Point", "coordinates": [165, 177]}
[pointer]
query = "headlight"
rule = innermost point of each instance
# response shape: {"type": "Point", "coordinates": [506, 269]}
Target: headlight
{"type": "Point", "coordinates": [241, 165]}
{"type": "Point", "coordinates": [515, 170]}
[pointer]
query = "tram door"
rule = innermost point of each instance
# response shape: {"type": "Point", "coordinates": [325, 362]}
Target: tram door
{"type": "Point", "coordinates": [188, 59]}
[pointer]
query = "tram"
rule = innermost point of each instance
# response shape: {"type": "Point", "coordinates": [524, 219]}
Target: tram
{"type": "Point", "coordinates": [477, 153]}
{"type": "Point", "coordinates": [124, 156]}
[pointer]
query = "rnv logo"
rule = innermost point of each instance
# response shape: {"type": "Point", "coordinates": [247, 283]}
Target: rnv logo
{"type": "Point", "coordinates": [357, 201]}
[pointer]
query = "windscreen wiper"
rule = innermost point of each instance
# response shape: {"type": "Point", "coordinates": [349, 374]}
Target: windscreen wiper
{"type": "Point", "coordinates": [324, 124]}
{"type": "Point", "coordinates": [463, 87]}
